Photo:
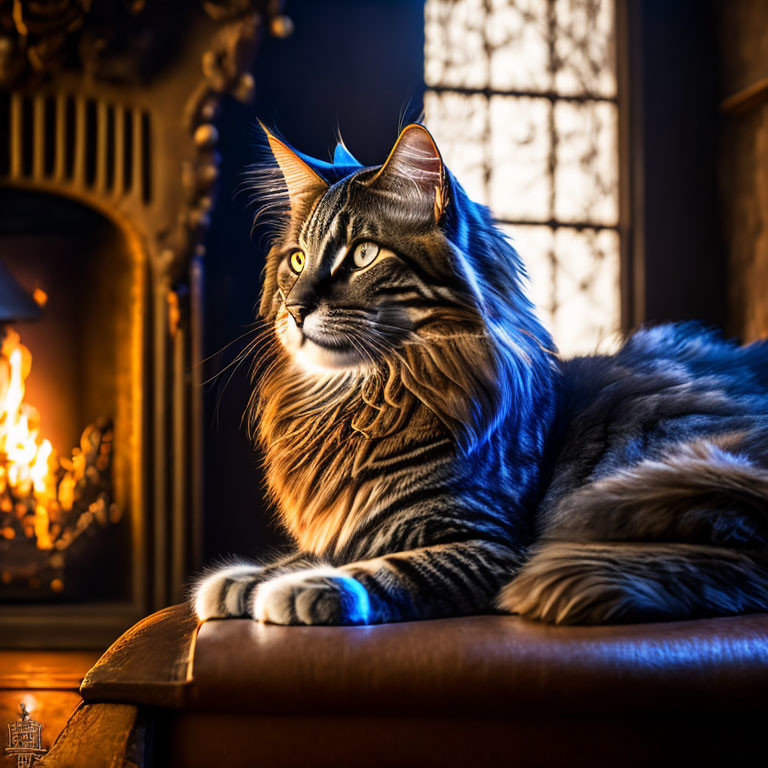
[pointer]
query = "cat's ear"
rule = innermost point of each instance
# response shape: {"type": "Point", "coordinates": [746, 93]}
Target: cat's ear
{"type": "Point", "coordinates": [304, 185]}
{"type": "Point", "coordinates": [415, 170]}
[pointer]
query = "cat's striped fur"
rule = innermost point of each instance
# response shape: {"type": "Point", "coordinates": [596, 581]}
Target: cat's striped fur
{"type": "Point", "coordinates": [430, 454]}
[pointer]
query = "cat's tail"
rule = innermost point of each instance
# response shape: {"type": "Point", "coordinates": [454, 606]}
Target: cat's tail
{"type": "Point", "coordinates": [708, 491]}
{"type": "Point", "coordinates": [599, 583]}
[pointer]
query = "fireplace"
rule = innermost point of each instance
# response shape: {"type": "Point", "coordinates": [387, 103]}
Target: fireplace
{"type": "Point", "coordinates": [68, 416]}
{"type": "Point", "coordinates": [107, 179]}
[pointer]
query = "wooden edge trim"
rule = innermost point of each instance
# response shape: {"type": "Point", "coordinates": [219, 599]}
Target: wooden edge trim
{"type": "Point", "coordinates": [97, 736]}
{"type": "Point", "coordinates": [149, 664]}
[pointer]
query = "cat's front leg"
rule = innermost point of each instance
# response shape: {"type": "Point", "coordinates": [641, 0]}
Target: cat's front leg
{"type": "Point", "coordinates": [228, 591]}
{"type": "Point", "coordinates": [429, 582]}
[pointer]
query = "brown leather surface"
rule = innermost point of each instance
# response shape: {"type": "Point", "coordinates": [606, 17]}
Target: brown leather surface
{"type": "Point", "coordinates": [151, 663]}
{"type": "Point", "coordinates": [495, 665]}
{"type": "Point", "coordinates": [475, 666]}
{"type": "Point", "coordinates": [204, 740]}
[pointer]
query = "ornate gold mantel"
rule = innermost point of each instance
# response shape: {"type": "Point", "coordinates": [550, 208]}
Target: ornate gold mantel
{"type": "Point", "coordinates": [114, 104]}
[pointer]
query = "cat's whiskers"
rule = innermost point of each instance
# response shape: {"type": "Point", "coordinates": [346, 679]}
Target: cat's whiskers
{"type": "Point", "coordinates": [246, 350]}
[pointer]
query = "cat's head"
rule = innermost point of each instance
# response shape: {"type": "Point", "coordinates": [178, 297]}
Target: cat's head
{"type": "Point", "coordinates": [393, 268]}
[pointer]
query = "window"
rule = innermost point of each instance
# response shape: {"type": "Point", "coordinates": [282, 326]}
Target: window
{"type": "Point", "coordinates": [521, 98]}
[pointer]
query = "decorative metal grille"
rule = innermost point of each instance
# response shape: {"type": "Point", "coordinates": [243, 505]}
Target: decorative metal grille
{"type": "Point", "coordinates": [521, 97]}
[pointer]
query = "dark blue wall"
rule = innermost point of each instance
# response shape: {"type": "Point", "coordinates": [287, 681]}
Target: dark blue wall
{"type": "Point", "coordinates": [356, 65]}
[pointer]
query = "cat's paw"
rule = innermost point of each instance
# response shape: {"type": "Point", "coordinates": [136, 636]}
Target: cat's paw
{"type": "Point", "coordinates": [226, 592]}
{"type": "Point", "coordinates": [312, 596]}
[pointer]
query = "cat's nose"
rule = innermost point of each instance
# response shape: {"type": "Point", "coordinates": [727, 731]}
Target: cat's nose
{"type": "Point", "coordinates": [299, 312]}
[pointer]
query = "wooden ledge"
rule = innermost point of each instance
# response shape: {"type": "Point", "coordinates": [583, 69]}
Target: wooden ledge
{"type": "Point", "coordinates": [150, 664]}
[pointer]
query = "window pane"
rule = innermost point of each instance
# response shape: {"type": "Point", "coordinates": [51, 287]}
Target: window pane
{"type": "Point", "coordinates": [541, 147]}
{"type": "Point", "coordinates": [516, 34]}
{"type": "Point", "coordinates": [454, 43]}
{"type": "Point", "coordinates": [586, 311]}
{"type": "Point", "coordinates": [584, 47]}
{"type": "Point", "coordinates": [586, 182]}
{"type": "Point", "coordinates": [520, 143]}
{"type": "Point", "coordinates": [574, 283]}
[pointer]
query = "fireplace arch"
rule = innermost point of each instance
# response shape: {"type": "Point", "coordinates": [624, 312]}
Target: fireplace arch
{"type": "Point", "coordinates": [115, 124]}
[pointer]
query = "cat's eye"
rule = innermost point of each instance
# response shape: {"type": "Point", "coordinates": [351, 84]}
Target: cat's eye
{"type": "Point", "coordinates": [364, 254]}
{"type": "Point", "coordinates": [297, 261]}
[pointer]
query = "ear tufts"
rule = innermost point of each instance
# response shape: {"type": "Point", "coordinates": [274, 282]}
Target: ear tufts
{"type": "Point", "coordinates": [304, 185]}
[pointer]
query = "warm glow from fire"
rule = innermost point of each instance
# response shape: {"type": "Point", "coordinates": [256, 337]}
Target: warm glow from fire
{"type": "Point", "coordinates": [25, 457]}
{"type": "Point", "coordinates": [47, 501]}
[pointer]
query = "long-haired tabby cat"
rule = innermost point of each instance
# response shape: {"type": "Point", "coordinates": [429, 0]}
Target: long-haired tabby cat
{"type": "Point", "coordinates": [432, 456]}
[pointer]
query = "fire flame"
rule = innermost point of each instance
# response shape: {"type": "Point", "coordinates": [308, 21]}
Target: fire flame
{"type": "Point", "coordinates": [26, 459]}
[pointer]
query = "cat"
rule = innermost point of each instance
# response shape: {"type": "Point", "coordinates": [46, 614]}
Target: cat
{"type": "Point", "coordinates": [432, 456]}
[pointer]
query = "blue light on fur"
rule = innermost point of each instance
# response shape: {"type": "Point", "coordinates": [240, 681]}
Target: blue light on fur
{"type": "Point", "coordinates": [342, 156]}
{"type": "Point", "coordinates": [358, 602]}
